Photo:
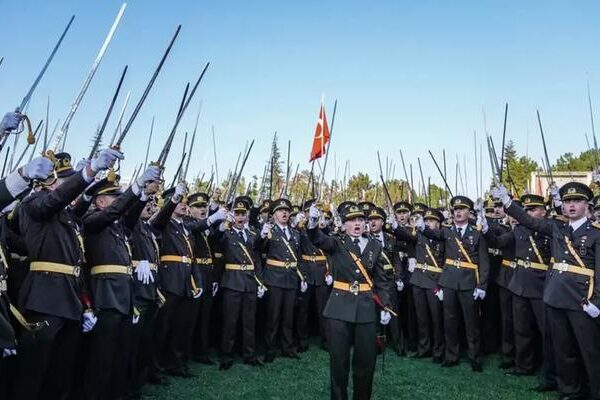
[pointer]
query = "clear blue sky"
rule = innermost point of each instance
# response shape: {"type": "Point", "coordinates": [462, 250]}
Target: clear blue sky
{"type": "Point", "coordinates": [410, 75]}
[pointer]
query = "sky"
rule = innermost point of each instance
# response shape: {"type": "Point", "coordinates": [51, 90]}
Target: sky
{"type": "Point", "coordinates": [410, 76]}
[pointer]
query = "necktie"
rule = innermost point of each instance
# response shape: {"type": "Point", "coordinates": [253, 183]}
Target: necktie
{"type": "Point", "coordinates": [285, 232]}
{"type": "Point", "coordinates": [241, 233]}
{"type": "Point", "coordinates": [570, 232]}
{"type": "Point", "coordinates": [459, 230]}
{"type": "Point", "coordinates": [357, 243]}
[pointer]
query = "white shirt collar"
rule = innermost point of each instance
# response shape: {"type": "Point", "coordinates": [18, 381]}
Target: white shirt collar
{"type": "Point", "coordinates": [578, 223]}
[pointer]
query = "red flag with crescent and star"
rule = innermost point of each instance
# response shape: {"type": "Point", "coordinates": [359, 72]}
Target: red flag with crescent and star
{"type": "Point", "coordinates": [321, 136]}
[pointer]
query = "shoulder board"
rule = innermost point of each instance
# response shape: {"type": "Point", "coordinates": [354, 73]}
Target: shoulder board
{"type": "Point", "coordinates": [251, 233]}
{"type": "Point", "coordinates": [596, 225]}
{"type": "Point", "coordinates": [561, 218]}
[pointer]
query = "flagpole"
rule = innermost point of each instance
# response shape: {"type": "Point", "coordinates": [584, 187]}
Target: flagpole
{"type": "Point", "coordinates": [328, 145]}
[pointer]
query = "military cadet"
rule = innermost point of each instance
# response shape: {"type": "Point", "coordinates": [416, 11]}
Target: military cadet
{"type": "Point", "coordinates": [240, 285]}
{"type": "Point", "coordinates": [530, 252]}
{"type": "Point", "coordinates": [359, 279]}
{"type": "Point", "coordinates": [571, 289]}
{"type": "Point", "coordinates": [596, 208]}
{"type": "Point", "coordinates": [318, 278]}
{"type": "Point", "coordinates": [463, 280]}
{"type": "Point", "coordinates": [54, 294]}
{"type": "Point", "coordinates": [426, 271]}
{"type": "Point", "coordinates": [198, 206]}
{"type": "Point", "coordinates": [403, 252]}
{"type": "Point", "coordinates": [282, 276]}
{"type": "Point", "coordinates": [376, 218]}
{"type": "Point", "coordinates": [109, 257]}
{"type": "Point", "coordinates": [498, 299]}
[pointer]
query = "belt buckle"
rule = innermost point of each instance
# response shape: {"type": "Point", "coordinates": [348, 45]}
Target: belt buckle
{"type": "Point", "coordinates": [287, 264]}
{"type": "Point", "coordinates": [526, 264]}
{"type": "Point", "coordinates": [3, 285]}
{"type": "Point", "coordinates": [313, 258]}
{"type": "Point", "coordinates": [186, 259]}
{"type": "Point", "coordinates": [355, 288]}
{"type": "Point", "coordinates": [76, 271]}
{"type": "Point", "coordinates": [243, 267]}
{"type": "Point", "coordinates": [457, 263]}
{"type": "Point", "coordinates": [129, 270]}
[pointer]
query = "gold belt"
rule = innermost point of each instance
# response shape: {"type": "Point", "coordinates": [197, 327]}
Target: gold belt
{"type": "Point", "coordinates": [239, 267]}
{"type": "Point", "coordinates": [509, 264]}
{"type": "Point", "coordinates": [111, 269]}
{"type": "Point", "coordinates": [530, 264]}
{"type": "Point", "coordinates": [564, 267]}
{"type": "Point", "coordinates": [281, 264]}
{"type": "Point", "coordinates": [461, 264]}
{"type": "Point", "coordinates": [310, 258]}
{"type": "Point", "coordinates": [153, 267]}
{"type": "Point", "coordinates": [204, 261]}
{"type": "Point", "coordinates": [44, 266]}
{"type": "Point", "coordinates": [181, 259]}
{"type": "Point", "coordinates": [431, 268]}
{"type": "Point", "coordinates": [355, 288]}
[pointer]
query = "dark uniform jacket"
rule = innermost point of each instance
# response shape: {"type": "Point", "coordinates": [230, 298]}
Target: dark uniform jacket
{"type": "Point", "coordinates": [501, 274]}
{"type": "Point", "coordinates": [52, 234]}
{"type": "Point", "coordinates": [314, 260]}
{"type": "Point", "coordinates": [404, 249]}
{"type": "Point", "coordinates": [204, 262]}
{"type": "Point", "coordinates": [106, 243]}
{"type": "Point", "coordinates": [235, 251]}
{"type": "Point", "coordinates": [277, 247]}
{"type": "Point", "coordinates": [345, 305]}
{"type": "Point", "coordinates": [389, 262]}
{"type": "Point", "coordinates": [567, 290]}
{"type": "Point", "coordinates": [176, 277]}
{"type": "Point", "coordinates": [421, 278]}
{"type": "Point", "coordinates": [475, 246]}
{"type": "Point", "coordinates": [517, 247]}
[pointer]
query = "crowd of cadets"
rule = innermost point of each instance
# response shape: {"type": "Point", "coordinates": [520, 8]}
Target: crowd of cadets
{"type": "Point", "coordinates": [103, 290]}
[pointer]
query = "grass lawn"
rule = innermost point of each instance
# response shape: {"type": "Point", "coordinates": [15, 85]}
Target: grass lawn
{"type": "Point", "coordinates": [308, 378]}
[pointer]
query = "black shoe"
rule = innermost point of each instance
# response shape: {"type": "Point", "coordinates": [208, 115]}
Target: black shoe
{"type": "Point", "coordinates": [204, 360]}
{"type": "Point", "coordinates": [291, 354]}
{"type": "Point", "coordinates": [178, 372]}
{"type": "Point", "coordinates": [476, 366]}
{"type": "Point", "coordinates": [302, 348]}
{"type": "Point", "coordinates": [436, 360]}
{"type": "Point", "coordinates": [156, 379]}
{"type": "Point", "coordinates": [255, 362]}
{"type": "Point", "coordinates": [519, 372]}
{"type": "Point", "coordinates": [543, 388]}
{"type": "Point", "coordinates": [225, 365]}
{"type": "Point", "coordinates": [506, 365]}
{"type": "Point", "coordinates": [421, 355]}
{"type": "Point", "coordinates": [269, 358]}
{"type": "Point", "coordinates": [449, 364]}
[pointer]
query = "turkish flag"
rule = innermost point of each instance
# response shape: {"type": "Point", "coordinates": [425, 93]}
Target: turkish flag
{"type": "Point", "coordinates": [321, 136]}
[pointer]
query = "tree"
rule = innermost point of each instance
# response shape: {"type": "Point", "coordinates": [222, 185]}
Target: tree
{"type": "Point", "coordinates": [516, 170]}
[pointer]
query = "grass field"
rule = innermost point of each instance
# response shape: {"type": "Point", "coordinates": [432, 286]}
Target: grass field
{"type": "Point", "coordinates": [403, 378]}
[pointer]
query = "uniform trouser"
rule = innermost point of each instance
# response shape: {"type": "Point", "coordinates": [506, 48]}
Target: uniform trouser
{"type": "Point", "coordinates": [407, 319]}
{"type": "Point", "coordinates": [106, 367]}
{"type": "Point", "coordinates": [342, 336]}
{"type": "Point", "coordinates": [507, 324]}
{"type": "Point", "coordinates": [430, 321]}
{"type": "Point", "coordinates": [491, 331]}
{"type": "Point", "coordinates": [576, 340]}
{"type": "Point", "coordinates": [46, 359]}
{"type": "Point", "coordinates": [280, 311]}
{"type": "Point", "coordinates": [166, 335]}
{"type": "Point", "coordinates": [185, 321]}
{"type": "Point", "coordinates": [141, 351]}
{"type": "Point", "coordinates": [201, 335]}
{"type": "Point", "coordinates": [531, 323]}
{"type": "Point", "coordinates": [321, 294]}
{"type": "Point", "coordinates": [393, 327]}
{"type": "Point", "coordinates": [460, 304]}
{"type": "Point", "coordinates": [234, 304]}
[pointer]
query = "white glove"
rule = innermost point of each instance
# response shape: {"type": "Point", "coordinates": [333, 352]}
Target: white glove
{"type": "Point", "coordinates": [303, 286]}
{"type": "Point", "coordinates": [399, 285]}
{"type": "Point", "coordinates": [180, 191]}
{"type": "Point", "coordinates": [260, 292]}
{"type": "Point", "coordinates": [420, 223]}
{"type": "Point", "coordinates": [9, 352]}
{"type": "Point", "coordinates": [82, 164]}
{"type": "Point", "coordinates": [265, 230]}
{"type": "Point", "coordinates": [300, 218]}
{"type": "Point", "coordinates": [218, 215]}
{"type": "Point", "coordinates": [143, 272]}
{"type": "Point", "coordinates": [151, 174]}
{"type": "Point", "coordinates": [38, 168]}
{"type": "Point", "coordinates": [483, 222]}
{"type": "Point", "coordinates": [392, 221]}
{"type": "Point", "coordinates": [196, 295]}
{"type": "Point", "coordinates": [439, 293]}
{"type": "Point", "coordinates": [135, 319]}
{"type": "Point", "coordinates": [412, 264]}
{"type": "Point", "coordinates": [215, 288]}
{"type": "Point", "coordinates": [328, 279]}
{"type": "Point", "coordinates": [230, 217]}
{"type": "Point", "coordinates": [313, 217]}
{"type": "Point", "coordinates": [554, 193]}
{"type": "Point", "coordinates": [89, 320]}
{"type": "Point", "coordinates": [591, 310]}
{"type": "Point", "coordinates": [478, 294]}
{"type": "Point", "coordinates": [384, 317]}
{"type": "Point", "coordinates": [500, 192]}
{"type": "Point", "coordinates": [105, 159]}
{"type": "Point", "coordinates": [596, 177]}
{"type": "Point", "coordinates": [10, 122]}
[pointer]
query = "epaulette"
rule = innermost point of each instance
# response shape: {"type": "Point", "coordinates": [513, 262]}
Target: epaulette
{"type": "Point", "coordinates": [561, 218]}
{"type": "Point", "coordinates": [596, 225]}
